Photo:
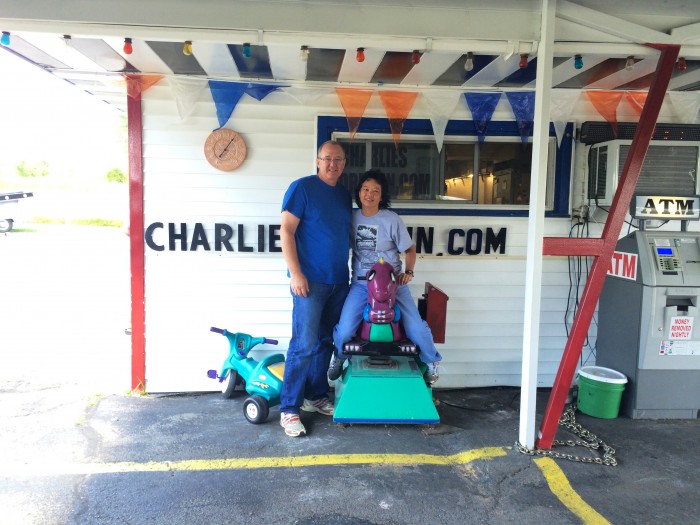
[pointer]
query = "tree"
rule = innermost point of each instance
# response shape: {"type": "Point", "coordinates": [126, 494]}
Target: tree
{"type": "Point", "coordinates": [40, 169]}
{"type": "Point", "coordinates": [116, 175]}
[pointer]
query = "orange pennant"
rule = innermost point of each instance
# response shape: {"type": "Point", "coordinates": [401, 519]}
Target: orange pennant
{"type": "Point", "coordinates": [354, 102]}
{"type": "Point", "coordinates": [398, 105]}
{"type": "Point", "coordinates": [137, 84]}
{"type": "Point", "coordinates": [606, 102]}
{"type": "Point", "coordinates": [637, 100]}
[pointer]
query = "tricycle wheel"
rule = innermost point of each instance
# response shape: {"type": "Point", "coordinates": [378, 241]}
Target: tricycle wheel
{"type": "Point", "coordinates": [5, 225]}
{"type": "Point", "coordinates": [228, 385]}
{"type": "Point", "coordinates": [256, 409]}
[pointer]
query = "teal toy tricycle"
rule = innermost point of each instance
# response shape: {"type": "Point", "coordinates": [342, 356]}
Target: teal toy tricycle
{"type": "Point", "coordinates": [263, 379]}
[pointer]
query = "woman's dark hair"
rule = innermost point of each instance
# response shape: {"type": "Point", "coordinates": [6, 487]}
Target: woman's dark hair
{"type": "Point", "coordinates": [381, 179]}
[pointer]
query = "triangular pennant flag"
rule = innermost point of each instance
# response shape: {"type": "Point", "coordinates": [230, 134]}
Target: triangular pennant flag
{"type": "Point", "coordinates": [226, 95]}
{"type": "Point", "coordinates": [561, 108]}
{"type": "Point", "coordinates": [637, 100]}
{"type": "Point", "coordinates": [482, 106]}
{"type": "Point", "coordinates": [685, 105]}
{"type": "Point", "coordinates": [559, 128]}
{"type": "Point", "coordinates": [306, 96]}
{"type": "Point", "coordinates": [440, 106]}
{"type": "Point", "coordinates": [137, 84]}
{"type": "Point", "coordinates": [187, 92]}
{"type": "Point", "coordinates": [523, 105]}
{"type": "Point", "coordinates": [605, 103]}
{"type": "Point", "coordinates": [354, 102]}
{"type": "Point", "coordinates": [259, 91]}
{"type": "Point", "coordinates": [397, 105]}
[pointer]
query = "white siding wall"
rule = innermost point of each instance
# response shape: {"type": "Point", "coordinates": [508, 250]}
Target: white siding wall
{"type": "Point", "coordinates": [189, 291]}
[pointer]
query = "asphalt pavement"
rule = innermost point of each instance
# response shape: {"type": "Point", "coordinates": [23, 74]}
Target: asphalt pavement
{"type": "Point", "coordinates": [72, 458]}
{"type": "Point", "coordinates": [75, 448]}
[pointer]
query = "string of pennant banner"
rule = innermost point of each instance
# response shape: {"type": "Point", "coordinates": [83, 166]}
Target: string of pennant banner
{"type": "Point", "coordinates": [398, 104]}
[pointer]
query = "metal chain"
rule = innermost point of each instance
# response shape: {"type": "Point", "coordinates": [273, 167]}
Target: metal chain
{"type": "Point", "coordinates": [568, 421]}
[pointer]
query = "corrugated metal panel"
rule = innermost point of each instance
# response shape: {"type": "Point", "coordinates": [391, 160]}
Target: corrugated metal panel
{"type": "Point", "coordinates": [189, 291]}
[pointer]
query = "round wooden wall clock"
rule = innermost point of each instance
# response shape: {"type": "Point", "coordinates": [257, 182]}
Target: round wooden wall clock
{"type": "Point", "coordinates": [225, 149]}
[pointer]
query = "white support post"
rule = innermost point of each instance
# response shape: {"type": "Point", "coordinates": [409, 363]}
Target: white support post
{"type": "Point", "coordinates": [535, 227]}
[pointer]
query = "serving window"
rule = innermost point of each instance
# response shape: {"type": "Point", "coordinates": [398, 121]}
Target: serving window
{"type": "Point", "coordinates": [466, 174]}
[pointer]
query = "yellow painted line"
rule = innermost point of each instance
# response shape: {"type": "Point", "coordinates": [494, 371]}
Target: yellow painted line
{"type": "Point", "coordinates": [51, 469]}
{"type": "Point", "coordinates": [560, 486]}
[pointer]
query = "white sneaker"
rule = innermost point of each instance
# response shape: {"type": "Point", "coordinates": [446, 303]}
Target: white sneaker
{"type": "Point", "coordinates": [323, 405]}
{"type": "Point", "coordinates": [432, 374]}
{"type": "Point", "coordinates": [292, 424]}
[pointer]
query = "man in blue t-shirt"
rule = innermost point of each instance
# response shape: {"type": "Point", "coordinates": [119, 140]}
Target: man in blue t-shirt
{"type": "Point", "coordinates": [315, 240]}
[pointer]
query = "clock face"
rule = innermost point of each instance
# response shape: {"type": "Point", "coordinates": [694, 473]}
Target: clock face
{"type": "Point", "coordinates": [225, 149]}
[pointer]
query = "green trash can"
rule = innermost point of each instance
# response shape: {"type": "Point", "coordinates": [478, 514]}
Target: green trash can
{"type": "Point", "coordinates": [600, 391]}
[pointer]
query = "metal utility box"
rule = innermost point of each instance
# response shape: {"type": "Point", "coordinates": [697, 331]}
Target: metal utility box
{"type": "Point", "coordinates": [646, 323]}
{"type": "Point", "coordinates": [433, 309]}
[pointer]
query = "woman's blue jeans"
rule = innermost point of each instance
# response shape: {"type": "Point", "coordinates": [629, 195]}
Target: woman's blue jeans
{"type": "Point", "coordinates": [416, 329]}
{"type": "Point", "coordinates": [311, 346]}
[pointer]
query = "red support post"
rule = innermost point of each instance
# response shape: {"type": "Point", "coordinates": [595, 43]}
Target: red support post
{"type": "Point", "coordinates": [606, 247]}
{"type": "Point", "coordinates": [138, 336]}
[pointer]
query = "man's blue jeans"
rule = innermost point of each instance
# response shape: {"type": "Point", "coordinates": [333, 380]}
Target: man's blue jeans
{"type": "Point", "coordinates": [311, 346]}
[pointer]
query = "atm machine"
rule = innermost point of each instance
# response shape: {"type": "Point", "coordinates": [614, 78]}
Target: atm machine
{"type": "Point", "coordinates": [647, 317]}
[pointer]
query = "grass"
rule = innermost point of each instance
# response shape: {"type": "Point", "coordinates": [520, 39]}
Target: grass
{"type": "Point", "coordinates": [111, 223]}
{"type": "Point", "coordinates": [107, 223]}
{"type": "Point", "coordinates": [98, 222]}
{"type": "Point", "coordinates": [46, 220]}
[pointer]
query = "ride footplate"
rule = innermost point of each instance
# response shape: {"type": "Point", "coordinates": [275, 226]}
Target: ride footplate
{"type": "Point", "coordinates": [384, 392]}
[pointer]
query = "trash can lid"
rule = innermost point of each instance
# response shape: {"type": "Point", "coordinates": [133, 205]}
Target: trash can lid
{"type": "Point", "coordinates": [604, 375]}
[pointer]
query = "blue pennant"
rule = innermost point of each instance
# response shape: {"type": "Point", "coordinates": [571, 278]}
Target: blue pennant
{"type": "Point", "coordinates": [482, 106]}
{"type": "Point", "coordinates": [227, 94]}
{"type": "Point", "coordinates": [523, 105]}
{"type": "Point", "coordinates": [260, 91]}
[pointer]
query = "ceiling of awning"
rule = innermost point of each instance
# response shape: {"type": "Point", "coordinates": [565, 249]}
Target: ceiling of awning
{"type": "Point", "coordinates": [97, 63]}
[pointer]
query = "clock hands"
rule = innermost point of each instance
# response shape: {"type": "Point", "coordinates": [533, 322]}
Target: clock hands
{"type": "Point", "coordinates": [227, 146]}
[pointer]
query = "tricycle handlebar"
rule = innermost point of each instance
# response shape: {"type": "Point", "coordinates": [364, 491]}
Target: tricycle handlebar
{"type": "Point", "coordinates": [223, 331]}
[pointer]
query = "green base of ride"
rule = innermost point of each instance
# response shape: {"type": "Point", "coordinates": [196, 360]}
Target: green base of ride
{"type": "Point", "coordinates": [394, 393]}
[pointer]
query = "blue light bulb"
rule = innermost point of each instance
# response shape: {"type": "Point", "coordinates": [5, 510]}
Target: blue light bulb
{"type": "Point", "coordinates": [578, 62]}
{"type": "Point", "coordinates": [246, 50]}
{"type": "Point", "coordinates": [5, 40]}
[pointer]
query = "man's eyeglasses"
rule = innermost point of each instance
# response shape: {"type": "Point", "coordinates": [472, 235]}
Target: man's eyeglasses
{"type": "Point", "coordinates": [328, 160]}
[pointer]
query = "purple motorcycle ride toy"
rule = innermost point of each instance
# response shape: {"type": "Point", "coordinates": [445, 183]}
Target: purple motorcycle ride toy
{"type": "Point", "coordinates": [383, 382]}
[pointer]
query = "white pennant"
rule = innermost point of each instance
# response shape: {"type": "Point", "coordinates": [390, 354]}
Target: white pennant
{"type": "Point", "coordinates": [306, 96]}
{"type": "Point", "coordinates": [685, 105]}
{"type": "Point", "coordinates": [561, 108]}
{"type": "Point", "coordinates": [186, 92]}
{"type": "Point", "coordinates": [440, 105]}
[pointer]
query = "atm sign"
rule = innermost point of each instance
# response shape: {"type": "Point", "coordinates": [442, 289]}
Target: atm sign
{"type": "Point", "coordinates": [623, 265]}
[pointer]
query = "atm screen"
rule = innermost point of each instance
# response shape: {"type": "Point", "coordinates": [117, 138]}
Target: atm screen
{"type": "Point", "coordinates": [664, 251]}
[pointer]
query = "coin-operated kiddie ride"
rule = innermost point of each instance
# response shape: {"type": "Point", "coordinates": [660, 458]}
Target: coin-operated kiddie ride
{"type": "Point", "coordinates": [383, 382]}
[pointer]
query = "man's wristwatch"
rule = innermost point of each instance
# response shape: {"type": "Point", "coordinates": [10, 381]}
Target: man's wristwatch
{"type": "Point", "coordinates": [409, 272]}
